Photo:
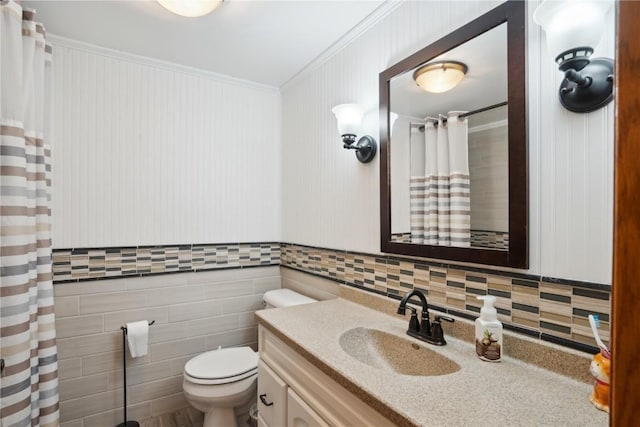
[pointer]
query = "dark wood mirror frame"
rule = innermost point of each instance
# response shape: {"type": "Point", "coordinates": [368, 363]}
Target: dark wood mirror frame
{"type": "Point", "coordinates": [514, 14]}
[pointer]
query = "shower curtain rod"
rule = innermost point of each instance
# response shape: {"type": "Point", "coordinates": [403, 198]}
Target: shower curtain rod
{"type": "Point", "coordinates": [462, 116]}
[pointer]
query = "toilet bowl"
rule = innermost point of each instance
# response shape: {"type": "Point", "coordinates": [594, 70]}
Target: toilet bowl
{"type": "Point", "coordinates": [218, 381]}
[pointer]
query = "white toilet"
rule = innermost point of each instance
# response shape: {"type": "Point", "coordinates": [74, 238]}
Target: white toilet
{"type": "Point", "coordinates": [220, 380]}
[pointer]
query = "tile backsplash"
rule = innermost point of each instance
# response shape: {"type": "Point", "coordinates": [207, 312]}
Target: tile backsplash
{"type": "Point", "coordinates": [548, 308]}
{"type": "Point", "coordinates": [552, 309]}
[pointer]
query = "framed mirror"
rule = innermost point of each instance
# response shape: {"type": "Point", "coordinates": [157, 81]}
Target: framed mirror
{"type": "Point", "coordinates": [453, 140]}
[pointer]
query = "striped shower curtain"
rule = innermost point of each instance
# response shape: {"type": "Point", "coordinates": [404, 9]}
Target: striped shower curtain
{"type": "Point", "coordinates": [440, 201]}
{"type": "Point", "coordinates": [29, 378]}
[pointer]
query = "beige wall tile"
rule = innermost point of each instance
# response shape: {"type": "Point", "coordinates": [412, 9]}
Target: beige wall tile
{"type": "Point", "coordinates": [88, 344]}
{"type": "Point", "coordinates": [176, 295]}
{"type": "Point", "coordinates": [237, 337]}
{"type": "Point", "coordinates": [69, 368]}
{"type": "Point", "coordinates": [314, 287]}
{"type": "Point", "coordinates": [156, 389]}
{"type": "Point", "coordinates": [213, 276]}
{"type": "Point", "coordinates": [74, 423]}
{"type": "Point", "coordinates": [260, 286]}
{"type": "Point", "coordinates": [259, 272]}
{"type": "Point", "coordinates": [115, 416]}
{"type": "Point", "coordinates": [168, 332]}
{"type": "Point", "coordinates": [241, 304]}
{"type": "Point", "coordinates": [79, 325]}
{"type": "Point", "coordinates": [170, 350]}
{"type": "Point", "coordinates": [194, 310]}
{"type": "Point", "coordinates": [83, 386]}
{"type": "Point", "coordinates": [67, 306]}
{"type": "Point", "coordinates": [114, 320]}
{"type": "Point", "coordinates": [212, 325]}
{"type": "Point", "coordinates": [116, 301]}
{"type": "Point", "coordinates": [140, 374]}
{"type": "Point", "coordinates": [91, 287]}
{"type": "Point", "coordinates": [89, 357]}
{"type": "Point", "coordinates": [159, 281]}
{"type": "Point", "coordinates": [177, 365]}
{"type": "Point", "coordinates": [109, 361]}
{"type": "Point", "coordinates": [555, 307]}
{"type": "Point", "coordinates": [228, 289]}
{"type": "Point", "coordinates": [89, 405]}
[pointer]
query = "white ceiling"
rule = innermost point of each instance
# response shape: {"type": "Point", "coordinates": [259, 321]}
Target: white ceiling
{"type": "Point", "coordinates": [264, 41]}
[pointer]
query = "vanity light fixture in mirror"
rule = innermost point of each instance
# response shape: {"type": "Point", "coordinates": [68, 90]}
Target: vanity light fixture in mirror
{"type": "Point", "coordinates": [441, 76]}
{"type": "Point", "coordinates": [349, 117]}
{"type": "Point", "coordinates": [487, 109]}
{"type": "Point", "coordinates": [573, 30]}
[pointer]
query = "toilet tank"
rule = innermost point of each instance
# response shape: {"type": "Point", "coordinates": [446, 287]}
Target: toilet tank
{"type": "Point", "coordinates": [284, 298]}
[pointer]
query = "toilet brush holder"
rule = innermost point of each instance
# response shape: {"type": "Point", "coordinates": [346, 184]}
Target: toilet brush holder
{"type": "Point", "coordinates": [126, 423]}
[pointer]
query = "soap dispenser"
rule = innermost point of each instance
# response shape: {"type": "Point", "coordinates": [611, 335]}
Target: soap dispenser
{"type": "Point", "coordinates": [488, 331]}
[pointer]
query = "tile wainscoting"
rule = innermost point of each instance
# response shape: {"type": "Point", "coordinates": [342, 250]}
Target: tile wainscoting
{"type": "Point", "coordinates": [548, 308]}
{"type": "Point", "coordinates": [193, 312]}
{"type": "Point", "coordinates": [213, 304]}
{"type": "Point", "coordinates": [551, 309]}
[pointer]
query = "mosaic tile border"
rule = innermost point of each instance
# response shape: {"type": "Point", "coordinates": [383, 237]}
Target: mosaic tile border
{"type": "Point", "coordinates": [80, 264]}
{"type": "Point", "coordinates": [550, 309]}
{"type": "Point", "coordinates": [479, 238]}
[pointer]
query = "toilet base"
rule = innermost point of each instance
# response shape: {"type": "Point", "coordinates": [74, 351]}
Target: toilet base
{"type": "Point", "coordinates": [220, 417]}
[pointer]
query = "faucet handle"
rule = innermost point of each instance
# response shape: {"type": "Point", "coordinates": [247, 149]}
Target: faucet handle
{"type": "Point", "coordinates": [436, 329]}
{"type": "Point", "coordinates": [414, 325]}
{"type": "Point", "coordinates": [448, 319]}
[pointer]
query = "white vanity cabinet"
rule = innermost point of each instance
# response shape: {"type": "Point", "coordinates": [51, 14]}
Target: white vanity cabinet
{"type": "Point", "coordinates": [298, 394]}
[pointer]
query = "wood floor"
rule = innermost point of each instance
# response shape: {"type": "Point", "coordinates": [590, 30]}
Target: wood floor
{"type": "Point", "coordinates": [187, 417]}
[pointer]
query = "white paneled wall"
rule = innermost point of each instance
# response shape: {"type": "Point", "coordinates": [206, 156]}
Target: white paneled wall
{"type": "Point", "coordinates": [331, 200]}
{"type": "Point", "coordinates": [146, 152]}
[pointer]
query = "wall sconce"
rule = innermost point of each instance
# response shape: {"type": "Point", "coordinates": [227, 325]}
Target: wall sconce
{"type": "Point", "coordinates": [573, 29]}
{"type": "Point", "coordinates": [439, 77]}
{"type": "Point", "coordinates": [349, 118]}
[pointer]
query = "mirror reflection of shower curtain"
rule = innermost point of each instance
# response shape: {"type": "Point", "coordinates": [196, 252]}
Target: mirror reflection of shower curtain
{"type": "Point", "coordinates": [440, 203]}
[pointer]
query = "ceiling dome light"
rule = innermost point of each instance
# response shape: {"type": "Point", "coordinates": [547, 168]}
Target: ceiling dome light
{"type": "Point", "coordinates": [438, 77]}
{"type": "Point", "coordinates": [191, 8]}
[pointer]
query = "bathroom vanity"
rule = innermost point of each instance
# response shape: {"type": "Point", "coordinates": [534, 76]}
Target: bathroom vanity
{"type": "Point", "coordinates": [336, 362]}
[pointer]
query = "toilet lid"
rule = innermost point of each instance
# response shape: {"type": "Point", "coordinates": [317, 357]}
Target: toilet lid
{"type": "Point", "coordinates": [222, 363]}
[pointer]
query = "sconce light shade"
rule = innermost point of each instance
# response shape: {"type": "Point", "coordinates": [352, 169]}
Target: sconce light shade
{"type": "Point", "coordinates": [190, 8]}
{"type": "Point", "coordinates": [570, 25]}
{"type": "Point", "coordinates": [573, 29]}
{"type": "Point", "coordinates": [438, 77]}
{"type": "Point", "coordinates": [349, 117]}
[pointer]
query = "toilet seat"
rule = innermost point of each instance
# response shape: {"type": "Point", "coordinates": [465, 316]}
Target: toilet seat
{"type": "Point", "coordinates": [222, 366]}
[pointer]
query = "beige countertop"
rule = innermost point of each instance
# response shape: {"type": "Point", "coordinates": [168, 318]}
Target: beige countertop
{"type": "Point", "coordinates": [511, 393]}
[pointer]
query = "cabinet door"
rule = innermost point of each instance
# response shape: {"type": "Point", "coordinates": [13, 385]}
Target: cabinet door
{"type": "Point", "coordinates": [261, 422]}
{"type": "Point", "coordinates": [272, 396]}
{"type": "Point", "coordinates": [299, 414]}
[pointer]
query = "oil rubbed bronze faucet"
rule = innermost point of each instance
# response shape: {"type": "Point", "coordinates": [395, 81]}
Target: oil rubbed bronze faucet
{"type": "Point", "coordinates": [423, 330]}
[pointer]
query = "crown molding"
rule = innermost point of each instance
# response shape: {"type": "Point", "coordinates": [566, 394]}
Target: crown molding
{"type": "Point", "coordinates": [156, 63]}
{"type": "Point", "coordinates": [373, 18]}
